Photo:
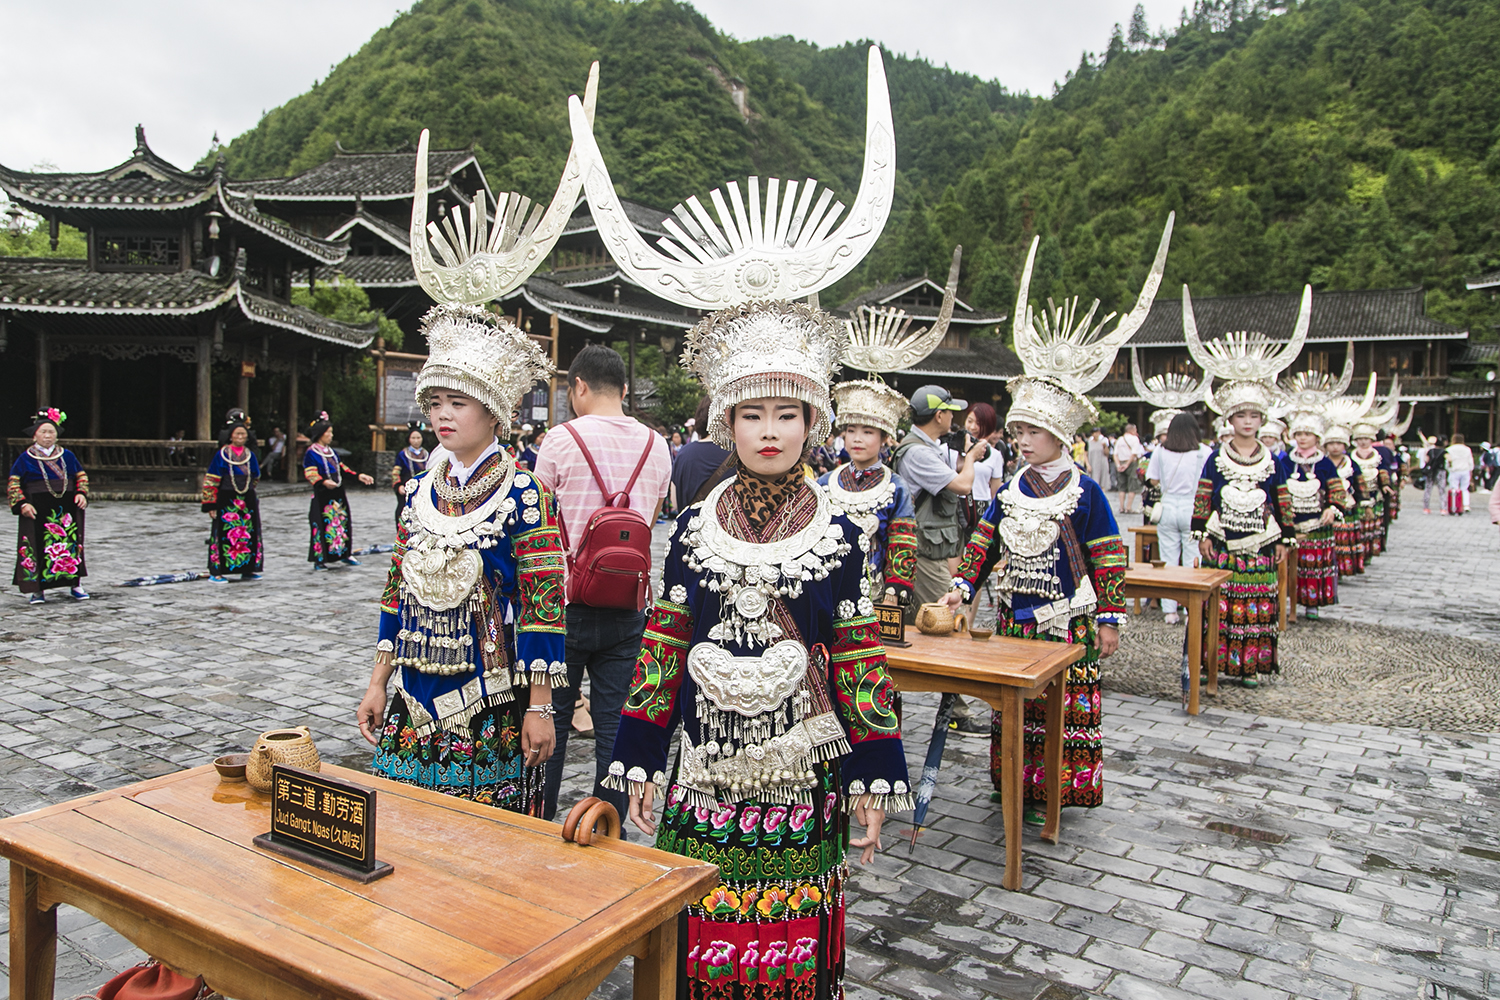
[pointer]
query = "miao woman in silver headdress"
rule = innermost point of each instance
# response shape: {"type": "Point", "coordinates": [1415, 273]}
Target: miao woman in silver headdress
{"type": "Point", "coordinates": [764, 644]}
{"type": "Point", "coordinates": [472, 623]}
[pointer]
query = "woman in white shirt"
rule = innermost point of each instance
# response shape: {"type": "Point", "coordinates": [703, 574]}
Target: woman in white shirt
{"type": "Point", "coordinates": [989, 474]}
{"type": "Point", "coordinates": [1176, 466]}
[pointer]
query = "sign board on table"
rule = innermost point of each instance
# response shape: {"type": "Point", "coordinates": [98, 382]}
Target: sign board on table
{"type": "Point", "coordinates": [892, 624]}
{"type": "Point", "coordinates": [323, 821]}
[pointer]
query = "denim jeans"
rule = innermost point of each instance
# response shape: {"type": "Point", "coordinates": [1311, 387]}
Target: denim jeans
{"type": "Point", "coordinates": [605, 642]}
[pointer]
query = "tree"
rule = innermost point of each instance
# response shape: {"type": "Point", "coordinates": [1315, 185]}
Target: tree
{"type": "Point", "coordinates": [1140, 31]}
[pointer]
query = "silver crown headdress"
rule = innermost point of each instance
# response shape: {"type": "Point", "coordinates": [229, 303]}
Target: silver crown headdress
{"type": "Point", "coordinates": [470, 349]}
{"type": "Point", "coordinates": [750, 263]}
{"type": "Point", "coordinates": [1065, 359]}
{"type": "Point", "coordinates": [1172, 392]}
{"type": "Point", "coordinates": [1342, 413]}
{"type": "Point", "coordinates": [881, 340]}
{"type": "Point", "coordinates": [1245, 362]}
{"type": "Point", "coordinates": [1273, 427]}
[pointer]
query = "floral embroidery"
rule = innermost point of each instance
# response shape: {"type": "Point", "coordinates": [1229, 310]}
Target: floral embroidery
{"type": "Point", "coordinates": [62, 553]}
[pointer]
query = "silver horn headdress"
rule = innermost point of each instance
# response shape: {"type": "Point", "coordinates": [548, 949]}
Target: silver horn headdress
{"type": "Point", "coordinates": [1341, 413]}
{"type": "Point", "coordinates": [1370, 422]}
{"type": "Point", "coordinates": [1171, 392]}
{"type": "Point", "coordinates": [484, 257]}
{"type": "Point", "coordinates": [1304, 395]}
{"type": "Point", "coordinates": [749, 261]}
{"type": "Point", "coordinates": [1068, 356]}
{"type": "Point", "coordinates": [1247, 363]}
{"type": "Point", "coordinates": [881, 340]}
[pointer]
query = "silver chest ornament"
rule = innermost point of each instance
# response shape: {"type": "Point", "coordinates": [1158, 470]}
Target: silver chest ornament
{"type": "Point", "coordinates": [1029, 533]}
{"type": "Point", "coordinates": [1242, 497]}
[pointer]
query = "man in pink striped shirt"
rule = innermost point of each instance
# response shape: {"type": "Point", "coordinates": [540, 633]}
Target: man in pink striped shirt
{"type": "Point", "coordinates": [603, 641]}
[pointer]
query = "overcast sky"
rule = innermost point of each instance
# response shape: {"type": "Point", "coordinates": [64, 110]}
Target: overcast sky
{"type": "Point", "coordinates": [79, 74]}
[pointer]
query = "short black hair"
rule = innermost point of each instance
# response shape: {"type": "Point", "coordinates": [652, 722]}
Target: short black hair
{"type": "Point", "coordinates": [601, 367]}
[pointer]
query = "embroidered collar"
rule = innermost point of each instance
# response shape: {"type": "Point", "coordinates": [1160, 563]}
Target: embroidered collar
{"type": "Point", "coordinates": [1239, 470]}
{"type": "Point", "coordinates": [852, 497]}
{"type": "Point", "coordinates": [461, 472]}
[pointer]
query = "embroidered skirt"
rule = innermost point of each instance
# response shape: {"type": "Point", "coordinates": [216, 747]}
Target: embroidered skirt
{"type": "Point", "coordinates": [1373, 519]}
{"type": "Point", "coordinates": [1349, 546]}
{"type": "Point", "coordinates": [482, 762]}
{"type": "Point", "coordinates": [332, 528]}
{"type": "Point", "coordinates": [774, 925]}
{"type": "Point", "coordinates": [235, 543]}
{"type": "Point", "coordinates": [1082, 778]}
{"type": "Point", "coordinates": [1247, 611]}
{"type": "Point", "coordinates": [1317, 569]}
{"type": "Point", "coordinates": [49, 547]}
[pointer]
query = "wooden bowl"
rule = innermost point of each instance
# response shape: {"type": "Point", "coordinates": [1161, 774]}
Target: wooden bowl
{"type": "Point", "coordinates": [231, 766]}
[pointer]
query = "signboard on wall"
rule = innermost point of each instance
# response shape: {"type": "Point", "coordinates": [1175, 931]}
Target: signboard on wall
{"type": "Point", "coordinates": [400, 398]}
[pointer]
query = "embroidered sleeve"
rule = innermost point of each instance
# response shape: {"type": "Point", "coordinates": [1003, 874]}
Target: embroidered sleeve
{"type": "Point", "coordinates": [254, 470]}
{"type": "Point", "coordinates": [210, 497]}
{"type": "Point", "coordinates": [390, 598]}
{"type": "Point", "coordinates": [1284, 513]}
{"type": "Point", "coordinates": [901, 556]}
{"type": "Point", "coordinates": [1338, 497]}
{"type": "Point", "coordinates": [1203, 505]}
{"type": "Point", "coordinates": [540, 619]}
{"type": "Point", "coordinates": [1107, 559]}
{"type": "Point", "coordinates": [348, 470]}
{"type": "Point", "coordinates": [14, 493]}
{"type": "Point", "coordinates": [652, 708]}
{"type": "Point", "coordinates": [980, 553]}
{"type": "Point", "coordinates": [80, 478]}
{"type": "Point", "coordinates": [312, 472]}
{"type": "Point", "coordinates": [866, 696]}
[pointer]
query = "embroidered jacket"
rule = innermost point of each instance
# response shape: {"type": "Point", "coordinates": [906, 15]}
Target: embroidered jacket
{"type": "Point", "coordinates": [29, 474]}
{"type": "Point", "coordinates": [322, 471]}
{"type": "Point", "coordinates": [1352, 475]}
{"type": "Point", "coordinates": [507, 631]}
{"type": "Point", "coordinates": [1308, 502]}
{"type": "Point", "coordinates": [1374, 480]}
{"type": "Point", "coordinates": [1244, 525]}
{"type": "Point", "coordinates": [407, 466]}
{"type": "Point", "coordinates": [1087, 561]}
{"type": "Point", "coordinates": [833, 612]}
{"type": "Point", "coordinates": [891, 527]}
{"type": "Point", "coordinates": [220, 469]}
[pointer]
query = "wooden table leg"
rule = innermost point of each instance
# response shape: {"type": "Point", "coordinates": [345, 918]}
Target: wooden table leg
{"type": "Point", "coordinates": [1052, 755]}
{"type": "Point", "coordinates": [1281, 578]}
{"type": "Point", "coordinates": [1291, 586]}
{"type": "Point", "coordinates": [33, 939]}
{"type": "Point", "coordinates": [654, 971]}
{"type": "Point", "coordinates": [1211, 657]}
{"type": "Point", "coordinates": [1195, 651]}
{"type": "Point", "coordinates": [1012, 728]}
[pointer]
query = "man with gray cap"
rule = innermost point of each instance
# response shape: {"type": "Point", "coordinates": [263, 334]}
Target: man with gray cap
{"type": "Point", "coordinates": [927, 467]}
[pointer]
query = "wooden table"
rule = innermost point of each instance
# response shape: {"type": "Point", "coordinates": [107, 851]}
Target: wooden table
{"type": "Point", "coordinates": [482, 903]}
{"type": "Point", "coordinates": [1003, 673]}
{"type": "Point", "coordinates": [1147, 547]}
{"type": "Point", "coordinates": [1286, 591]}
{"type": "Point", "coordinates": [1192, 588]}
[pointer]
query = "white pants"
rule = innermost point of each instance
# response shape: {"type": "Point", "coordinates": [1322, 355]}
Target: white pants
{"type": "Point", "coordinates": [1174, 537]}
{"type": "Point", "coordinates": [1458, 482]}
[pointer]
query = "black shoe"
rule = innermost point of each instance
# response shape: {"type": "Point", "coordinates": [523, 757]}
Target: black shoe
{"type": "Point", "coordinates": [970, 726]}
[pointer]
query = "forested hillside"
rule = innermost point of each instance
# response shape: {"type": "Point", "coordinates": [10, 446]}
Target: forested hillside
{"type": "Point", "coordinates": [1349, 143]}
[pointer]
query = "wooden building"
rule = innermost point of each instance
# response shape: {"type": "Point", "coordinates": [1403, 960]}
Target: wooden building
{"type": "Point", "coordinates": [1389, 328]}
{"type": "Point", "coordinates": [181, 305]}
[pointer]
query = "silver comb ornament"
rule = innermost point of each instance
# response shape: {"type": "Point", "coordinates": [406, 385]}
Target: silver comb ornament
{"type": "Point", "coordinates": [1170, 390]}
{"type": "Point", "coordinates": [881, 338]}
{"type": "Point", "coordinates": [481, 261]}
{"type": "Point", "coordinates": [780, 241]}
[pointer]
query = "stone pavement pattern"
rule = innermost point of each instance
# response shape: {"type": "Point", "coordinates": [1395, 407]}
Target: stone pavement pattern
{"type": "Point", "coordinates": [1236, 855]}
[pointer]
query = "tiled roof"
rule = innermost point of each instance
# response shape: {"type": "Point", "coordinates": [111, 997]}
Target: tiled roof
{"type": "Point", "coordinates": [372, 176]}
{"type": "Point", "coordinates": [387, 230]}
{"type": "Point", "coordinates": [145, 181]}
{"type": "Point", "coordinates": [48, 285]}
{"type": "Point", "coordinates": [1476, 354]}
{"type": "Point", "coordinates": [1379, 314]}
{"type": "Point", "coordinates": [379, 272]}
{"type": "Point", "coordinates": [243, 210]}
{"type": "Point", "coordinates": [549, 296]}
{"type": "Point", "coordinates": [1490, 279]}
{"type": "Point", "coordinates": [68, 286]}
{"type": "Point", "coordinates": [987, 358]}
{"type": "Point", "coordinates": [888, 293]}
{"type": "Point", "coordinates": [583, 277]}
{"type": "Point", "coordinates": [646, 220]}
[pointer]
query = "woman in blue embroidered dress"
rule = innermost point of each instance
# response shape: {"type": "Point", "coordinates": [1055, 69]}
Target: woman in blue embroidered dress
{"type": "Point", "coordinates": [331, 524]}
{"type": "Point", "coordinates": [235, 543]}
{"type": "Point", "coordinates": [48, 491]}
{"type": "Point", "coordinates": [472, 616]}
{"type": "Point", "coordinates": [410, 462]}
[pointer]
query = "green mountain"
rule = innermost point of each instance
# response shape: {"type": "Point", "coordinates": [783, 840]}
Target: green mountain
{"type": "Point", "coordinates": [1346, 143]}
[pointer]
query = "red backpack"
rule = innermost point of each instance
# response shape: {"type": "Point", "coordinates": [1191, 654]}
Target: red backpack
{"type": "Point", "coordinates": [610, 567]}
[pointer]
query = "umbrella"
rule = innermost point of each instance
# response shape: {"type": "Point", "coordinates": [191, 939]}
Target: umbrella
{"type": "Point", "coordinates": [930, 766]}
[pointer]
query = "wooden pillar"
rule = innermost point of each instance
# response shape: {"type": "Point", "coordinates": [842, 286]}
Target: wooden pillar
{"type": "Point", "coordinates": [242, 395]}
{"type": "Point", "coordinates": [553, 417]}
{"type": "Point", "coordinates": [43, 371]}
{"type": "Point", "coordinates": [1455, 421]}
{"type": "Point", "coordinates": [630, 385]}
{"type": "Point", "coordinates": [293, 422]}
{"type": "Point", "coordinates": [96, 421]}
{"type": "Point", "coordinates": [161, 398]}
{"type": "Point", "coordinates": [377, 436]}
{"type": "Point", "coordinates": [204, 389]}
{"type": "Point", "coordinates": [317, 384]}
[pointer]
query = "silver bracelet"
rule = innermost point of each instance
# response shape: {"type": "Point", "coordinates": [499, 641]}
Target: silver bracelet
{"type": "Point", "coordinates": [546, 711]}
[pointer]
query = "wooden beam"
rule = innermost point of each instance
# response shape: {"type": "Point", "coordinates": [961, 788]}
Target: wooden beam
{"type": "Point", "coordinates": [43, 371]}
{"type": "Point", "coordinates": [293, 422]}
{"type": "Point", "coordinates": [96, 421]}
{"type": "Point", "coordinates": [203, 395]}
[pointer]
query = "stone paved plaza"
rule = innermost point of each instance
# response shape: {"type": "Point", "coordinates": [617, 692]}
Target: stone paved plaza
{"type": "Point", "coordinates": [1299, 841]}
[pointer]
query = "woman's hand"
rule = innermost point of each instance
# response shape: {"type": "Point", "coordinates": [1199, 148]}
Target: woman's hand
{"type": "Point", "coordinates": [1281, 553]}
{"type": "Point", "coordinates": [538, 739]}
{"type": "Point", "coordinates": [1328, 517]}
{"type": "Point", "coordinates": [953, 599]}
{"type": "Point", "coordinates": [1205, 548]}
{"type": "Point", "coordinates": [1109, 640]}
{"type": "Point", "coordinates": [640, 810]}
{"type": "Point", "coordinates": [872, 819]}
{"type": "Point", "coordinates": [81, 501]}
{"type": "Point", "coordinates": [367, 480]}
{"type": "Point", "coordinates": [28, 511]}
{"type": "Point", "coordinates": [371, 713]}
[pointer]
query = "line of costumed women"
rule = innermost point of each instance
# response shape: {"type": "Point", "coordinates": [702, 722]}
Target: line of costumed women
{"type": "Point", "coordinates": [472, 623]}
{"type": "Point", "coordinates": [330, 523]}
{"type": "Point", "coordinates": [48, 491]}
{"type": "Point", "coordinates": [1318, 501]}
{"type": "Point", "coordinates": [764, 644]}
{"type": "Point", "coordinates": [235, 543]}
{"type": "Point", "coordinates": [1242, 514]}
{"type": "Point", "coordinates": [1050, 534]}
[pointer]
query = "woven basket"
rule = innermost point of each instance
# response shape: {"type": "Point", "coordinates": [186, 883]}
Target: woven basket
{"type": "Point", "coordinates": [288, 747]}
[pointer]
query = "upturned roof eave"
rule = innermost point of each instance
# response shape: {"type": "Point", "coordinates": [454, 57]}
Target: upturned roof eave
{"type": "Point", "coordinates": [325, 252]}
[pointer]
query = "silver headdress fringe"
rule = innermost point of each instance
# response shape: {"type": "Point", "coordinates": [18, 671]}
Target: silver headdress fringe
{"type": "Point", "coordinates": [1246, 362]}
{"type": "Point", "coordinates": [480, 354]}
{"type": "Point", "coordinates": [1066, 358]}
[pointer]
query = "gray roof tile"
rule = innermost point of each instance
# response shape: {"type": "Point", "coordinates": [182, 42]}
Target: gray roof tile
{"type": "Point", "coordinates": [1378, 314]}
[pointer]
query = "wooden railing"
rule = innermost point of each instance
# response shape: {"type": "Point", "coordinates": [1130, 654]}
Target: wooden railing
{"type": "Point", "coordinates": [128, 455]}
